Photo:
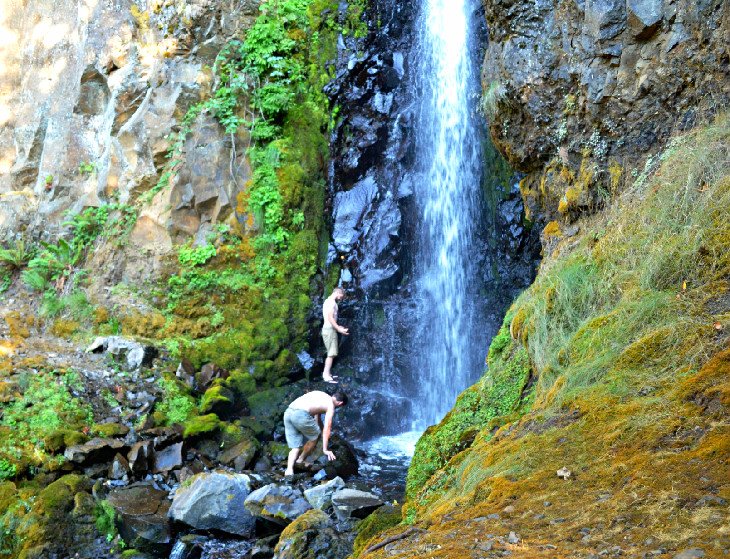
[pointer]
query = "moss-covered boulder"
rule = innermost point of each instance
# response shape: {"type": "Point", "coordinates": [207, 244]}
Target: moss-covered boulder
{"type": "Point", "coordinates": [371, 529]}
{"type": "Point", "coordinates": [218, 400]}
{"type": "Point", "coordinates": [201, 425]}
{"type": "Point", "coordinates": [312, 536]}
{"type": "Point", "coordinates": [46, 527]}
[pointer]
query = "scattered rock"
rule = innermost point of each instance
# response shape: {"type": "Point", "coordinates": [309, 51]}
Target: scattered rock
{"type": "Point", "coordinates": [513, 538]}
{"type": "Point", "coordinates": [564, 473]}
{"type": "Point", "coordinates": [142, 512]}
{"type": "Point", "coordinates": [279, 504]}
{"type": "Point", "coordinates": [693, 553]}
{"type": "Point", "coordinates": [215, 501]}
{"type": "Point", "coordinates": [313, 535]}
{"type": "Point", "coordinates": [320, 496]}
{"type": "Point", "coordinates": [119, 468]}
{"type": "Point", "coordinates": [241, 455]}
{"type": "Point", "coordinates": [352, 503]}
{"type": "Point", "coordinates": [96, 450]}
{"type": "Point", "coordinates": [168, 458]}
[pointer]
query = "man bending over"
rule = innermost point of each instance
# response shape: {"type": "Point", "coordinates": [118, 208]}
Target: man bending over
{"type": "Point", "coordinates": [300, 424]}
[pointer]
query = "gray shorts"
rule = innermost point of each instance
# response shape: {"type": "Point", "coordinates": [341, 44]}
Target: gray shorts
{"type": "Point", "coordinates": [299, 426]}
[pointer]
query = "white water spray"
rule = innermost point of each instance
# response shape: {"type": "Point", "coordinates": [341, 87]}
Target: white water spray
{"type": "Point", "coordinates": [448, 198]}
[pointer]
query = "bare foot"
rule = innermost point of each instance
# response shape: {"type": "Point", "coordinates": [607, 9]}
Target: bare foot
{"type": "Point", "coordinates": [330, 379]}
{"type": "Point", "coordinates": [288, 473]}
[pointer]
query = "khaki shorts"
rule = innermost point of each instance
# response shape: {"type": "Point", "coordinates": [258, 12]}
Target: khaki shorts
{"type": "Point", "coordinates": [299, 425]}
{"type": "Point", "coordinates": [329, 335]}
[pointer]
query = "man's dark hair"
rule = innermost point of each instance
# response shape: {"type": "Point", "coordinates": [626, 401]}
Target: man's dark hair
{"type": "Point", "coordinates": [340, 396]}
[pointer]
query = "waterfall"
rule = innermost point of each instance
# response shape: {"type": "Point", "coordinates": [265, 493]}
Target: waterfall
{"type": "Point", "coordinates": [448, 198]}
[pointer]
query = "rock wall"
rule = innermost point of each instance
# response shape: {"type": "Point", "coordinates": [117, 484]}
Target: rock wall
{"type": "Point", "coordinates": [578, 93]}
{"type": "Point", "coordinates": [90, 96]}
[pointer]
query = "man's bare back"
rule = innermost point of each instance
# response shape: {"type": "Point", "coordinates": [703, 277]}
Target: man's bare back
{"type": "Point", "coordinates": [315, 402]}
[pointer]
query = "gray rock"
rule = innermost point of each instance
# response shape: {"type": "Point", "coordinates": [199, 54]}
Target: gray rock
{"type": "Point", "coordinates": [349, 209]}
{"type": "Point", "coordinates": [142, 516]}
{"type": "Point", "coordinates": [140, 456]}
{"type": "Point", "coordinates": [513, 538]}
{"type": "Point", "coordinates": [96, 450]}
{"type": "Point", "coordinates": [605, 18]}
{"type": "Point", "coordinates": [320, 496]}
{"type": "Point", "coordinates": [313, 535]}
{"type": "Point", "coordinates": [119, 468]}
{"type": "Point", "coordinates": [280, 504]}
{"type": "Point", "coordinates": [132, 354]}
{"type": "Point", "coordinates": [352, 503]}
{"type": "Point", "coordinates": [215, 501]}
{"type": "Point", "coordinates": [693, 553]}
{"type": "Point", "coordinates": [644, 17]}
{"type": "Point", "coordinates": [168, 458]}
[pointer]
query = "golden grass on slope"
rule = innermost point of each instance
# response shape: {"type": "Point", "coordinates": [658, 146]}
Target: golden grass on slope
{"type": "Point", "coordinates": [628, 332]}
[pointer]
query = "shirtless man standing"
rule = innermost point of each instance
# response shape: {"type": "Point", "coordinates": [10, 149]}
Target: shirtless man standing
{"type": "Point", "coordinates": [330, 329]}
{"type": "Point", "coordinates": [300, 424]}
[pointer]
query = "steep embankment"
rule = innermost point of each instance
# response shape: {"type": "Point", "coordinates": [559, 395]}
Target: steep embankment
{"type": "Point", "coordinates": [614, 365]}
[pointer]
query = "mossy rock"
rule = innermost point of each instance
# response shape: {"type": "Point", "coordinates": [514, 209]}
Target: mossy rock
{"type": "Point", "coordinates": [47, 527]}
{"type": "Point", "coordinates": [110, 430]}
{"type": "Point", "coordinates": [8, 494]}
{"type": "Point", "coordinates": [242, 384]}
{"type": "Point", "coordinates": [267, 406]}
{"type": "Point", "coordinates": [62, 438]}
{"type": "Point", "coordinates": [201, 425]}
{"type": "Point", "coordinates": [277, 451]}
{"type": "Point", "coordinates": [253, 425]}
{"type": "Point", "coordinates": [378, 522]}
{"type": "Point", "coordinates": [217, 399]}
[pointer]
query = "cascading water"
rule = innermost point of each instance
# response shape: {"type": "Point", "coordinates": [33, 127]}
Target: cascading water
{"type": "Point", "coordinates": [447, 195]}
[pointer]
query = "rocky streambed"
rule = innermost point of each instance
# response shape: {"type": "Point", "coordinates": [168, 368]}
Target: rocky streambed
{"type": "Point", "coordinates": [211, 486]}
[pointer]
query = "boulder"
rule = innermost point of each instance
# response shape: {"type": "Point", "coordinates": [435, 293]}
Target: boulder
{"type": "Point", "coordinates": [140, 456]}
{"type": "Point", "coordinates": [168, 458]}
{"type": "Point", "coordinates": [119, 468]}
{"type": "Point", "coordinates": [320, 496]}
{"type": "Point", "coordinates": [279, 504]}
{"type": "Point", "coordinates": [312, 536]}
{"type": "Point", "coordinates": [132, 354]}
{"type": "Point", "coordinates": [240, 455]}
{"type": "Point", "coordinates": [215, 501]}
{"type": "Point", "coordinates": [142, 516]}
{"type": "Point", "coordinates": [644, 17]}
{"type": "Point", "coordinates": [352, 503]}
{"type": "Point", "coordinates": [94, 451]}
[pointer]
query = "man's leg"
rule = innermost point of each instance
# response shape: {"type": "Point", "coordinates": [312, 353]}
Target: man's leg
{"type": "Point", "coordinates": [306, 450]}
{"type": "Point", "coordinates": [326, 375]}
{"type": "Point", "coordinates": [293, 453]}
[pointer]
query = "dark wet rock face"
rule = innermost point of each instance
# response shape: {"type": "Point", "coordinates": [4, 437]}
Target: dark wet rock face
{"type": "Point", "coordinates": [375, 221]}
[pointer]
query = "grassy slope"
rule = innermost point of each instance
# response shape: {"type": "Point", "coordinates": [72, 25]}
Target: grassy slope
{"type": "Point", "coordinates": [626, 329]}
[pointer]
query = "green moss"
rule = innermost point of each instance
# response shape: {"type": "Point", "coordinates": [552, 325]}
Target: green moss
{"type": "Point", "coordinates": [277, 451]}
{"type": "Point", "coordinates": [487, 403]}
{"type": "Point", "coordinates": [109, 430]}
{"type": "Point", "coordinates": [201, 425]}
{"type": "Point", "coordinates": [369, 529]}
{"type": "Point", "coordinates": [216, 399]}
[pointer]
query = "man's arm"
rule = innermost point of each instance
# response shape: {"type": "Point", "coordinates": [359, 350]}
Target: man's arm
{"type": "Point", "coordinates": [327, 431]}
{"type": "Point", "coordinates": [333, 322]}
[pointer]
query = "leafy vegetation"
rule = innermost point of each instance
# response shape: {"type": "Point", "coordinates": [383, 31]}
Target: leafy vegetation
{"type": "Point", "coordinates": [176, 405]}
{"type": "Point", "coordinates": [46, 407]}
{"type": "Point", "coordinates": [241, 299]}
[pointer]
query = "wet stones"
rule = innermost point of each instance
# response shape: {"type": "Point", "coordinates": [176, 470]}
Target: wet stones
{"type": "Point", "coordinates": [352, 503]}
{"type": "Point", "coordinates": [215, 501]}
{"type": "Point", "coordinates": [280, 504]}
{"type": "Point", "coordinates": [320, 496]}
{"type": "Point", "coordinates": [313, 535]}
